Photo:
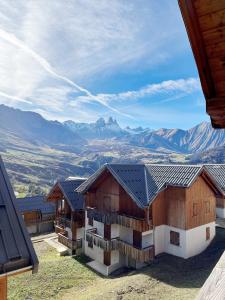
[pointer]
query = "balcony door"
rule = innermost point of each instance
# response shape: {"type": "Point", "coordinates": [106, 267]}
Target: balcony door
{"type": "Point", "coordinates": [137, 239]}
{"type": "Point", "coordinates": [107, 232]}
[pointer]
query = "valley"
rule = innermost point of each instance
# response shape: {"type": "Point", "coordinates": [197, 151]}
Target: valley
{"type": "Point", "coordinates": [37, 152]}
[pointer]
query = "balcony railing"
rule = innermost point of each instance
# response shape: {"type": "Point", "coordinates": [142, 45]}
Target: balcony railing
{"type": "Point", "coordinates": [139, 254]}
{"type": "Point", "coordinates": [116, 218]}
{"type": "Point", "coordinates": [99, 241]}
{"type": "Point", "coordinates": [73, 245]}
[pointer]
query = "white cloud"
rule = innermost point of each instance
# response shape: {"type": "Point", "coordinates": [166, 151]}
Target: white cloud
{"type": "Point", "coordinates": [177, 88]}
{"type": "Point", "coordinates": [50, 50]}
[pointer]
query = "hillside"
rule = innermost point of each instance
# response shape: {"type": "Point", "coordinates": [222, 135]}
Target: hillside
{"type": "Point", "coordinates": [37, 151]}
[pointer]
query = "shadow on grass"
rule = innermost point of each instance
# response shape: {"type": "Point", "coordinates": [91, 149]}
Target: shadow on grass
{"type": "Point", "coordinates": [187, 273]}
{"type": "Point", "coordinates": [175, 271]}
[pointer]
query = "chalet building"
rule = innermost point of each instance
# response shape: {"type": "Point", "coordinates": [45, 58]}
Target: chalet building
{"type": "Point", "coordinates": [135, 212]}
{"type": "Point", "coordinates": [38, 214]}
{"type": "Point", "coordinates": [217, 171]}
{"type": "Point", "coordinates": [205, 24]}
{"type": "Point", "coordinates": [17, 254]}
{"type": "Point", "coordinates": [69, 213]}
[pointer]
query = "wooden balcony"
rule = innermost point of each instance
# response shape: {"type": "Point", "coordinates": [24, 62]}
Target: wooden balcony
{"type": "Point", "coordinates": [116, 218]}
{"type": "Point", "coordinates": [73, 245]}
{"type": "Point", "coordinates": [99, 241]}
{"type": "Point", "coordinates": [141, 255]}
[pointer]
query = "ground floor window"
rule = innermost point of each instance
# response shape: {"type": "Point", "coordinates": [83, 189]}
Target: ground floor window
{"type": "Point", "coordinates": [174, 238]}
{"type": "Point", "coordinates": [207, 233]}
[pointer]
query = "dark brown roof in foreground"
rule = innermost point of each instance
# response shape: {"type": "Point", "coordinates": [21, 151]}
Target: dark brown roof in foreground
{"type": "Point", "coordinates": [16, 249]}
{"type": "Point", "coordinates": [205, 25]}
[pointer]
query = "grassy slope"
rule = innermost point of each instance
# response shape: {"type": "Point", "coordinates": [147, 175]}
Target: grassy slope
{"type": "Point", "coordinates": [66, 278]}
{"type": "Point", "coordinates": [55, 275]}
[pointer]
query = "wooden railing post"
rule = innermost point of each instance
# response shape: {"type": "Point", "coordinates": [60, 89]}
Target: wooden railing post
{"type": "Point", "coordinates": [3, 288]}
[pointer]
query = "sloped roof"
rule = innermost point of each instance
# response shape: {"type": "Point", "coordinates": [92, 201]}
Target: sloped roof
{"type": "Point", "coordinates": [218, 173]}
{"type": "Point", "coordinates": [144, 182]}
{"type": "Point", "coordinates": [35, 203]}
{"type": "Point", "coordinates": [16, 249]}
{"type": "Point", "coordinates": [68, 187]}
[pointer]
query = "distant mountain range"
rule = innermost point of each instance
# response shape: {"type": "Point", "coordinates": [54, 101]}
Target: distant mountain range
{"type": "Point", "coordinates": [39, 151]}
{"type": "Point", "coordinates": [197, 139]}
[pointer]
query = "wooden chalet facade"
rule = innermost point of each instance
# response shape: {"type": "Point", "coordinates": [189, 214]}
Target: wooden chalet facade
{"type": "Point", "coordinates": [38, 214]}
{"type": "Point", "coordinates": [205, 25]}
{"type": "Point", "coordinates": [135, 212]}
{"type": "Point", "coordinates": [69, 213]}
{"type": "Point", "coordinates": [17, 254]}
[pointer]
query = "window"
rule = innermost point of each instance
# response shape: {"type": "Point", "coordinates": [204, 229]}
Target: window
{"type": "Point", "coordinates": [195, 209]}
{"type": "Point", "coordinates": [90, 221]}
{"type": "Point", "coordinates": [174, 238]}
{"type": "Point", "coordinates": [207, 207]}
{"type": "Point", "coordinates": [207, 233]}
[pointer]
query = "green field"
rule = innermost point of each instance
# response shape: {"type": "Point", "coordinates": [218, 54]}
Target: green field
{"type": "Point", "coordinates": [68, 278]}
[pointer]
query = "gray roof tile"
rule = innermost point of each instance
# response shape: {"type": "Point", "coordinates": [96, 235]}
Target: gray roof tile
{"type": "Point", "coordinates": [68, 187]}
{"type": "Point", "coordinates": [218, 172]}
{"type": "Point", "coordinates": [144, 182]}
{"type": "Point", "coordinates": [35, 203]}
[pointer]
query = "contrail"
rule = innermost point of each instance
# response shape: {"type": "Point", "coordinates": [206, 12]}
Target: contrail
{"type": "Point", "coordinates": [11, 38]}
{"type": "Point", "coordinates": [14, 98]}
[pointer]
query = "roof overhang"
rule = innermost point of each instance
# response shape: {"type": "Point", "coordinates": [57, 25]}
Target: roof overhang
{"type": "Point", "coordinates": [205, 25]}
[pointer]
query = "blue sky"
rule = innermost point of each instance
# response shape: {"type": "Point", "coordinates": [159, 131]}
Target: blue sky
{"type": "Point", "coordinates": [85, 59]}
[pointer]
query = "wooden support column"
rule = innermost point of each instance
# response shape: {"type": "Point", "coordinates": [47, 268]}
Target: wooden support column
{"type": "Point", "coordinates": [3, 288]}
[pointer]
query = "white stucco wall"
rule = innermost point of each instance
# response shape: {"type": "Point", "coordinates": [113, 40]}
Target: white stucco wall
{"type": "Point", "coordinates": [126, 234]}
{"type": "Point", "coordinates": [147, 238]}
{"type": "Point", "coordinates": [220, 212]}
{"type": "Point", "coordinates": [69, 231]}
{"type": "Point", "coordinates": [196, 239]}
{"type": "Point", "coordinates": [192, 242]}
{"type": "Point", "coordinates": [80, 233]}
{"type": "Point", "coordinates": [32, 229]}
{"type": "Point", "coordinates": [115, 231]}
{"type": "Point", "coordinates": [95, 253]}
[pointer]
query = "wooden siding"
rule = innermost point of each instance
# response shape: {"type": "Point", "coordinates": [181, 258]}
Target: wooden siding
{"type": "Point", "coordinates": [3, 288]}
{"type": "Point", "coordinates": [109, 196]}
{"type": "Point", "coordinates": [169, 208]}
{"type": "Point", "coordinates": [185, 208]}
{"type": "Point", "coordinates": [159, 210]}
{"type": "Point", "coordinates": [175, 198]}
{"type": "Point", "coordinates": [201, 195]}
{"type": "Point", "coordinates": [32, 217]}
{"type": "Point", "coordinates": [128, 206]}
{"type": "Point", "coordinates": [205, 23]}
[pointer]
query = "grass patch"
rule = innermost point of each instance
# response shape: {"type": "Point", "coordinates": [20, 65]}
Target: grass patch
{"type": "Point", "coordinates": [56, 274]}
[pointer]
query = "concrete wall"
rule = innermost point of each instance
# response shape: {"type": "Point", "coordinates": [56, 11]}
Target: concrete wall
{"type": "Point", "coordinates": [126, 234]}
{"type": "Point", "coordinates": [192, 242]}
{"type": "Point", "coordinates": [220, 212]}
{"type": "Point", "coordinates": [147, 238]}
{"type": "Point", "coordinates": [115, 231]}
